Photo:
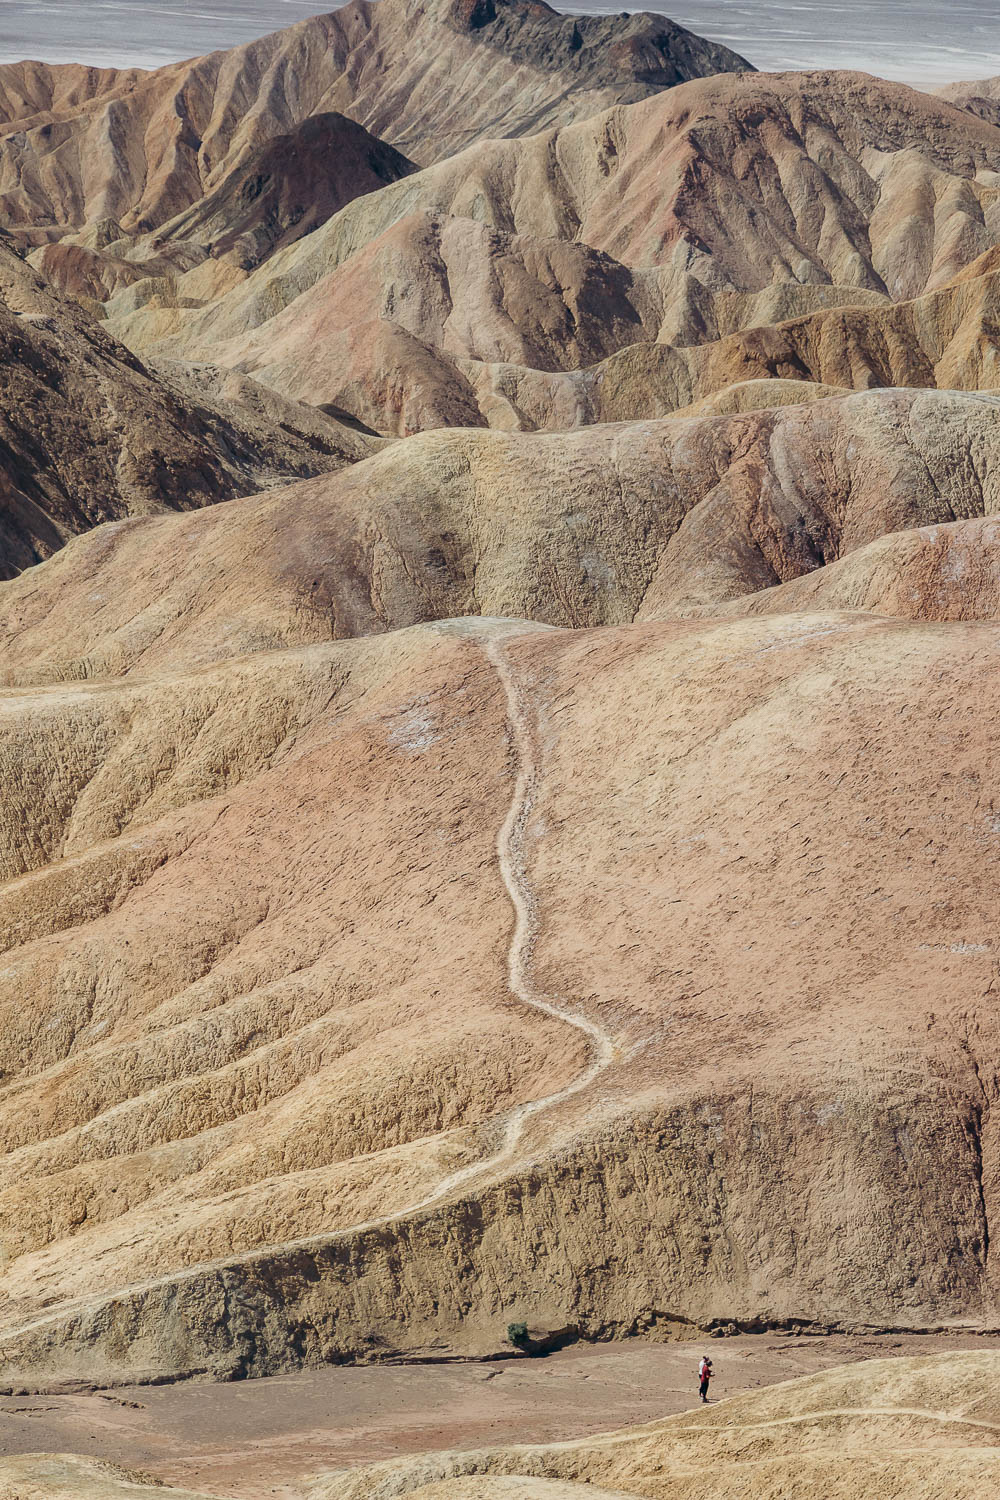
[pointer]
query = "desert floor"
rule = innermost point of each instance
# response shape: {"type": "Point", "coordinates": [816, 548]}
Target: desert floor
{"type": "Point", "coordinates": [258, 1438]}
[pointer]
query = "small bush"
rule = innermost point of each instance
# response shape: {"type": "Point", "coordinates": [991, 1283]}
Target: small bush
{"type": "Point", "coordinates": [517, 1334]}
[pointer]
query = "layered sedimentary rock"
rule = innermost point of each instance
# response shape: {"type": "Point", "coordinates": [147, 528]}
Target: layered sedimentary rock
{"type": "Point", "coordinates": [90, 434]}
{"type": "Point", "coordinates": [275, 195]}
{"type": "Point", "coordinates": [946, 572]}
{"type": "Point", "coordinates": [599, 526]}
{"type": "Point", "coordinates": [946, 340]}
{"type": "Point", "coordinates": [287, 188]}
{"type": "Point", "coordinates": [294, 1088]}
{"type": "Point", "coordinates": [980, 98]}
{"type": "Point", "coordinates": [389, 952]}
{"type": "Point", "coordinates": [429, 79]}
{"type": "Point", "coordinates": [294, 1085]}
{"type": "Point", "coordinates": [517, 358]}
{"type": "Point", "coordinates": [781, 222]}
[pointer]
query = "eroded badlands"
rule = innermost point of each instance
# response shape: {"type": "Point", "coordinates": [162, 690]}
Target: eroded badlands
{"type": "Point", "coordinates": [499, 620]}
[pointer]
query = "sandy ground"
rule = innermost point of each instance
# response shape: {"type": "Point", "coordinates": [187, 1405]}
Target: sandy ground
{"type": "Point", "coordinates": [260, 1438]}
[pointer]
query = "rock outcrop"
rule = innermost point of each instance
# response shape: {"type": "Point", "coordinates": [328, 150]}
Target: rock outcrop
{"type": "Point", "coordinates": [55, 1476]}
{"type": "Point", "coordinates": [734, 228]}
{"type": "Point", "coordinates": [430, 79]}
{"type": "Point", "coordinates": [981, 98]}
{"type": "Point", "coordinates": [287, 188]}
{"type": "Point", "coordinates": [535, 875]}
{"type": "Point", "coordinates": [275, 195]}
{"type": "Point", "coordinates": [293, 1087]}
{"type": "Point", "coordinates": [220, 1155]}
{"type": "Point", "coordinates": [554, 304]}
{"type": "Point", "coordinates": [595, 527]}
{"type": "Point", "coordinates": [947, 572]}
{"type": "Point", "coordinates": [88, 433]}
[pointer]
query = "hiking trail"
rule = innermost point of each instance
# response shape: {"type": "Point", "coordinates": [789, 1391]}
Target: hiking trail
{"type": "Point", "coordinates": [513, 863]}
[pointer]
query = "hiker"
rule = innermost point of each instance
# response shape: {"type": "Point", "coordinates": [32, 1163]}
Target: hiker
{"type": "Point", "coordinates": [704, 1376]}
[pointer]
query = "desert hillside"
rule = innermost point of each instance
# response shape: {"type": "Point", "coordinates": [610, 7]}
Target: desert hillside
{"type": "Point", "coordinates": [499, 612]}
{"type": "Point", "coordinates": [90, 433]}
{"type": "Point", "coordinates": [428, 78]}
{"type": "Point", "coordinates": [597, 526]}
{"type": "Point", "coordinates": [821, 227]}
{"type": "Point", "coordinates": [277, 1122]}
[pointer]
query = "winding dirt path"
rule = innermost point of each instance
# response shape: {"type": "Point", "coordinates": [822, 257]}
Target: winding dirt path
{"type": "Point", "coordinates": [513, 863]}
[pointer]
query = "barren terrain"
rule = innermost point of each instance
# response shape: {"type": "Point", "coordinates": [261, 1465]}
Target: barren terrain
{"type": "Point", "coordinates": [262, 1438]}
{"type": "Point", "coordinates": [499, 612]}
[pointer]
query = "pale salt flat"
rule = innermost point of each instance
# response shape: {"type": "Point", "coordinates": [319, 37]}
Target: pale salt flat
{"type": "Point", "coordinates": [138, 33]}
{"type": "Point", "coordinates": [924, 42]}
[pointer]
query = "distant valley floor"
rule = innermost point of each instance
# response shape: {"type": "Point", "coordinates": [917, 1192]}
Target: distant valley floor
{"type": "Point", "coordinates": [918, 42]}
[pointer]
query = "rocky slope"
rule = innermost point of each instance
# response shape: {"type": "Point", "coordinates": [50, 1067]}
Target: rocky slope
{"type": "Point", "coordinates": [257, 1117]}
{"type": "Point", "coordinates": [565, 337]}
{"type": "Point", "coordinates": [88, 433]}
{"type": "Point", "coordinates": [945, 340]}
{"type": "Point", "coordinates": [599, 526]}
{"type": "Point", "coordinates": [940, 572]}
{"type": "Point", "coordinates": [429, 79]}
{"type": "Point", "coordinates": [275, 195]}
{"type": "Point", "coordinates": [50, 1476]}
{"type": "Point", "coordinates": [525, 874]}
{"type": "Point", "coordinates": [287, 188]}
{"type": "Point", "coordinates": [254, 1120]}
{"type": "Point", "coordinates": [728, 204]}
{"type": "Point", "coordinates": [981, 98]}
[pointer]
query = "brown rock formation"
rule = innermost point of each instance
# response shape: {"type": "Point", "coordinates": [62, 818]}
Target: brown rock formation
{"type": "Point", "coordinates": [981, 98]}
{"type": "Point", "coordinates": [949, 572]}
{"type": "Point", "coordinates": [430, 79]}
{"type": "Point", "coordinates": [182, 902]}
{"type": "Point", "coordinates": [89, 434]}
{"type": "Point", "coordinates": [599, 526]}
{"type": "Point", "coordinates": [287, 188]}
{"type": "Point", "coordinates": [776, 221]}
{"type": "Point", "coordinates": [374, 974]}
{"type": "Point", "coordinates": [255, 1118]}
{"type": "Point", "coordinates": [53, 1476]}
{"type": "Point", "coordinates": [946, 340]}
{"type": "Point", "coordinates": [273, 197]}
{"type": "Point", "coordinates": [399, 339]}
{"type": "Point", "coordinates": [448, 369]}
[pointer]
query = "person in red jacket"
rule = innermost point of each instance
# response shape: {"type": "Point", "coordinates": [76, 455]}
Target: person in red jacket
{"type": "Point", "coordinates": [704, 1376]}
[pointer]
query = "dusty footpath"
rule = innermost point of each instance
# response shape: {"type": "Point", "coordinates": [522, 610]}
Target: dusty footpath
{"type": "Point", "coordinates": [261, 1437]}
